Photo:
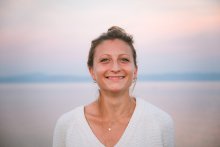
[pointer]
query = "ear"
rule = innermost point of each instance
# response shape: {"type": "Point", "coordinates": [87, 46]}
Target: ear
{"type": "Point", "coordinates": [135, 72]}
{"type": "Point", "coordinates": [91, 70]}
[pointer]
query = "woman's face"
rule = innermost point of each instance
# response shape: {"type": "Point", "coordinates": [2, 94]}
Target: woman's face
{"type": "Point", "coordinates": [113, 67]}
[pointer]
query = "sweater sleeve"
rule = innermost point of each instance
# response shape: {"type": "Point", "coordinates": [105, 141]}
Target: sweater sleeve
{"type": "Point", "coordinates": [168, 132]}
{"type": "Point", "coordinates": [59, 133]}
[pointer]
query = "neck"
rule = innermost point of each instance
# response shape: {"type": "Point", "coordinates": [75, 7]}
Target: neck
{"type": "Point", "coordinates": [112, 108]}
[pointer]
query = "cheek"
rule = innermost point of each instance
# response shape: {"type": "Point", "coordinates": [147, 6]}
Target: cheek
{"type": "Point", "coordinates": [130, 68]}
{"type": "Point", "coordinates": [98, 71]}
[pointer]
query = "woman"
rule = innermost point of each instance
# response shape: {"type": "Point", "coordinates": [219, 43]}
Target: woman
{"type": "Point", "coordinates": [116, 118]}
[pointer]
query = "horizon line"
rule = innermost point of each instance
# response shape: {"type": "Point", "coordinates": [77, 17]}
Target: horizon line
{"type": "Point", "coordinates": [46, 78]}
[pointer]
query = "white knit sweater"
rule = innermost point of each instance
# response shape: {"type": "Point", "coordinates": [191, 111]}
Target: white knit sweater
{"type": "Point", "coordinates": [148, 127]}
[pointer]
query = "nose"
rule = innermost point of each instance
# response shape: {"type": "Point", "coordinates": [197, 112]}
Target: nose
{"type": "Point", "coordinates": [115, 67]}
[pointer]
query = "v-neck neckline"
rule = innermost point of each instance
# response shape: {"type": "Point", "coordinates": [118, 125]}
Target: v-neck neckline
{"type": "Point", "coordinates": [127, 132]}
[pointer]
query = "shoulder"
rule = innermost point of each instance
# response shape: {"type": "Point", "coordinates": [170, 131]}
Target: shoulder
{"type": "Point", "coordinates": [156, 122]}
{"type": "Point", "coordinates": [154, 112]}
{"type": "Point", "coordinates": [70, 117]}
{"type": "Point", "coordinates": [159, 118]}
{"type": "Point", "coordinates": [63, 124]}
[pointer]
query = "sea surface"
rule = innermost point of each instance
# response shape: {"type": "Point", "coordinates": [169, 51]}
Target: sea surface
{"type": "Point", "coordinates": [28, 111]}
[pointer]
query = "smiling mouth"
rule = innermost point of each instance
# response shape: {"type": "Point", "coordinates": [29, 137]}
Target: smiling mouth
{"type": "Point", "coordinates": [115, 77]}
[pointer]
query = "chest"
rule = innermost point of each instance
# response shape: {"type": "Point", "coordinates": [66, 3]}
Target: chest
{"type": "Point", "coordinates": [108, 132]}
{"type": "Point", "coordinates": [141, 135]}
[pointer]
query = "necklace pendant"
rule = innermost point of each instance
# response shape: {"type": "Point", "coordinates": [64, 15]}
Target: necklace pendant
{"type": "Point", "coordinates": [109, 129]}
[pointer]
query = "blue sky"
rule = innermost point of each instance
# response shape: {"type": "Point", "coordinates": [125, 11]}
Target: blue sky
{"type": "Point", "coordinates": [53, 37]}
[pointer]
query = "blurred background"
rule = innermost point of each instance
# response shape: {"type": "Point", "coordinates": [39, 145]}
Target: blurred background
{"type": "Point", "coordinates": [43, 73]}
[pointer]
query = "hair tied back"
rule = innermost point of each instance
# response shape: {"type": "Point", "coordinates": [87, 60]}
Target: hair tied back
{"type": "Point", "coordinates": [116, 28]}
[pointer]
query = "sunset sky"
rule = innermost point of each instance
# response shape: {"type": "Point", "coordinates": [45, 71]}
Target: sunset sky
{"type": "Point", "coordinates": [53, 37]}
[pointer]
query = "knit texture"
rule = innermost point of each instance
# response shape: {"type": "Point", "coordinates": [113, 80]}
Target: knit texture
{"type": "Point", "coordinates": [149, 126]}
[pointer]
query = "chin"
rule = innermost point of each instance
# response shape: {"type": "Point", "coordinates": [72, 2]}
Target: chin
{"type": "Point", "coordinates": [117, 89]}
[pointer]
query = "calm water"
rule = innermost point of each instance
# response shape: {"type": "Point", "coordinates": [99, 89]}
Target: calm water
{"type": "Point", "coordinates": [28, 112]}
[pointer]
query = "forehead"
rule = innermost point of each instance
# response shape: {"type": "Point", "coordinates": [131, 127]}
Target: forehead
{"type": "Point", "coordinates": [113, 47]}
